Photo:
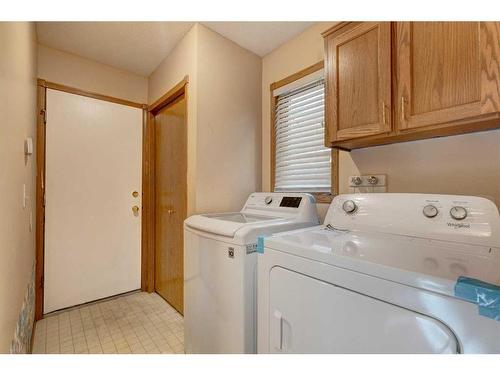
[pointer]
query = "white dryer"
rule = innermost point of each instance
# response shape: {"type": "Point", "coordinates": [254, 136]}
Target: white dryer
{"type": "Point", "coordinates": [387, 273]}
{"type": "Point", "coordinates": [220, 269]}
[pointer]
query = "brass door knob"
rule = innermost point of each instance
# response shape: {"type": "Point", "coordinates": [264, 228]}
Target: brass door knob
{"type": "Point", "coordinates": [171, 211]}
{"type": "Point", "coordinates": [135, 209]}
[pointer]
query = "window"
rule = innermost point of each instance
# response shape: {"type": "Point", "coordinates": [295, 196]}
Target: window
{"type": "Point", "coordinates": [302, 163]}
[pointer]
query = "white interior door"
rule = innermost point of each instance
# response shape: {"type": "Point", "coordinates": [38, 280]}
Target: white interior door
{"type": "Point", "coordinates": [93, 165]}
{"type": "Point", "coordinates": [307, 315]}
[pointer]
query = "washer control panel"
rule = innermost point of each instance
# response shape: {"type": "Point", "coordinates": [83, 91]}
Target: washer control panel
{"type": "Point", "coordinates": [290, 202]}
{"type": "Point", "coordinates": [299, 206]}
{"type": "Point", "coordinates": [275, 200]}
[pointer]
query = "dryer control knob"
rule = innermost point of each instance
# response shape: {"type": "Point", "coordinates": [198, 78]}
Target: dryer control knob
{"type": "Point", "coordinates": [349, 206]}
{"type": "Point", "coordinates": [268, 200]}
{"type": "Point", "coordinates": [458, 213]}
{"type": "Point", "coordinates": [430, 211]}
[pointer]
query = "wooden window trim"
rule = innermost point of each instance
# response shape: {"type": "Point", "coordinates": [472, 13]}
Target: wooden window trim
{"type": "Point", "coordinates": [320, 197]}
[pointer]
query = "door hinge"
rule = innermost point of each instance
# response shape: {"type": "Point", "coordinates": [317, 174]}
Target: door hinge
{"type": "Point", "coordinates": [43, 112]}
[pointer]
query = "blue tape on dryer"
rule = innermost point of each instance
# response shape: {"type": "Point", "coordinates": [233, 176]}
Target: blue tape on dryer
{"type": "Point", "coordinates": [486, 296]}
{"type": "Point", "coordinates": [260, 244]}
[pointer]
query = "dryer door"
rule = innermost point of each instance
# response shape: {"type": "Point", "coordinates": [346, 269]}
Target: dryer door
{"type": "Point", "coordinates": [311, 316]}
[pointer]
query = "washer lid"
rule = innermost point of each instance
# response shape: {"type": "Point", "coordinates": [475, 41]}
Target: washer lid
{"type": "Point", "coordinates": [429, 264]}
{"type": "Point", "coordinates": [225, 224]}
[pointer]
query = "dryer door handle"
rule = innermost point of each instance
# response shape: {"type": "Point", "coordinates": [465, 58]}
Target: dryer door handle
{"type": "Point", "coordinates": [278, 334]}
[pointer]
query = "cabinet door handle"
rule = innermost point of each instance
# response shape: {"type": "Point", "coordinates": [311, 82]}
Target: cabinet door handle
{"type": "Point", "coordinates": [383, 114]}
{"type": "Point", "coordinates": [403, 114]}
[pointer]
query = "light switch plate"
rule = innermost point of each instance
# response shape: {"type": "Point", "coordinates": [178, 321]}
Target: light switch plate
{"type": "Point", "coordinates": [24, 196]}
{"type": "Point", "coordinates": [28, 146]}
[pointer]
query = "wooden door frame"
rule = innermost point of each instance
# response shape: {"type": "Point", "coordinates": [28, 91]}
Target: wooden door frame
{"type": "Point", "coordinates": [148, 181]}
{"type": "Point", "coordinates": [42, 86]}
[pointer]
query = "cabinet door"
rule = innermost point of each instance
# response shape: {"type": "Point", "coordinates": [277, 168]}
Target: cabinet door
{"type": "Point", "coordinates": [446, 71]}
{"type": "Point", "coordinates": [358, 81]}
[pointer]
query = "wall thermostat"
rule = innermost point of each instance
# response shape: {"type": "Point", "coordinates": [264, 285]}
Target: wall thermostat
{"type": "Point", "coordinates": [28, 146]}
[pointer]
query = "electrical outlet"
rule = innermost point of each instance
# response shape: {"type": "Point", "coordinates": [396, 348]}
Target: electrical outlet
{"type": "Point", "coordinates": [376, 183]}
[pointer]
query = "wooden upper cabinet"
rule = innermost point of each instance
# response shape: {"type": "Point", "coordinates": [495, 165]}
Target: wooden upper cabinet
{"type": "Point", "coordinates": [358, 81]}
{"type": "Point", "coordinates": [442, 72]}
{"type": "Point", "coordinates": [444, 77]}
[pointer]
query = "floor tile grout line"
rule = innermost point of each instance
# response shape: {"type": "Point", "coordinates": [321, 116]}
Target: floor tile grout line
{"type": "Point", "coordinates": [98, 336]}
{"type": "Point", "coordinates": [83, 327]}
{"type": "Point", "coordinates": [122, 335]}
{"type": "Point", "coordinates": [71, 330]}
{"type": "Point", "coordinates": [45, 336]}
{"type": "Point", "coordinates": [142, 325]}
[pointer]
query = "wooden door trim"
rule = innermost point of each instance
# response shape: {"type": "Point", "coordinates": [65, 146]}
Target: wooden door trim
{"type": "Point", "coordinates": [42, 86]}
{"type": "Point", "coordinates": [169, 96]}
{"type": "Point", "coordinates": [40, 200]}
{"type": "Point", "coordinates": [148, 181]}
{"type": "Point", "coordinates": [88, 94]}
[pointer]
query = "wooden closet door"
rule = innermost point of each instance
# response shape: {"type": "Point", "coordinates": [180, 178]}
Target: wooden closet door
{"type": "Point", "coordinates": [359, 81]}
{"type": "Point", "coordinates": [444, 71]}
{"type": "Point", "coordinates": [171, 201]}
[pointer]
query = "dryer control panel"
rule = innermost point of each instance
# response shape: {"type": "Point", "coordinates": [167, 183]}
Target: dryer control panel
{"type": "Point", "coordinates": [466, 219]}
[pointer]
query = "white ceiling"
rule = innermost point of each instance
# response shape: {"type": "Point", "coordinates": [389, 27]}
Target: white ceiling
{"type": "Point", "coordinates": [259, 37]}
{"type": "Point", "coordinates": [139, 47]}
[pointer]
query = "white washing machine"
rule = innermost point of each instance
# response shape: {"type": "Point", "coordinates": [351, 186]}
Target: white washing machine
{"type": "Point", "coordinates": [220, 269]}
{"type": "Point", "coordinates": [387, 273]}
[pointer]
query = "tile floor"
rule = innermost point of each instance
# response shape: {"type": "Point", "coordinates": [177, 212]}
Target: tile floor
{"type": "Point", "coordinates": [134, 323]}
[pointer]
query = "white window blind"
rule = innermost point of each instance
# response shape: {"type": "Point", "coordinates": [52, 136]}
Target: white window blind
{"type": "Point", "coordinates": [303, 163]}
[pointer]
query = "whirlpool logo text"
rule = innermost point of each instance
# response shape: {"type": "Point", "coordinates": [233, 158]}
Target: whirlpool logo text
{"type": "Point", "coordinates": [458, 225]}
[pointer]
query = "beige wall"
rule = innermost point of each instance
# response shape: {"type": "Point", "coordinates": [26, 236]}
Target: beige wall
{"type": "Point", "coordinates": [223, 117]}
{"type": "Point", "coordinates": [466, 164]}
{"type": "Point", "coordinates": [17, 121]}
{"type": "Point", "coordinates": [75, 71]}
{"type": "Point", "coordinates": [229, 112]}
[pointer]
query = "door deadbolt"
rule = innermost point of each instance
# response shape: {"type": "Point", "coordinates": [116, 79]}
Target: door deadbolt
{"type": "Point", "coordinates": [135, 194]}
{"type": "Point", "coordinates": [230, 252]}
